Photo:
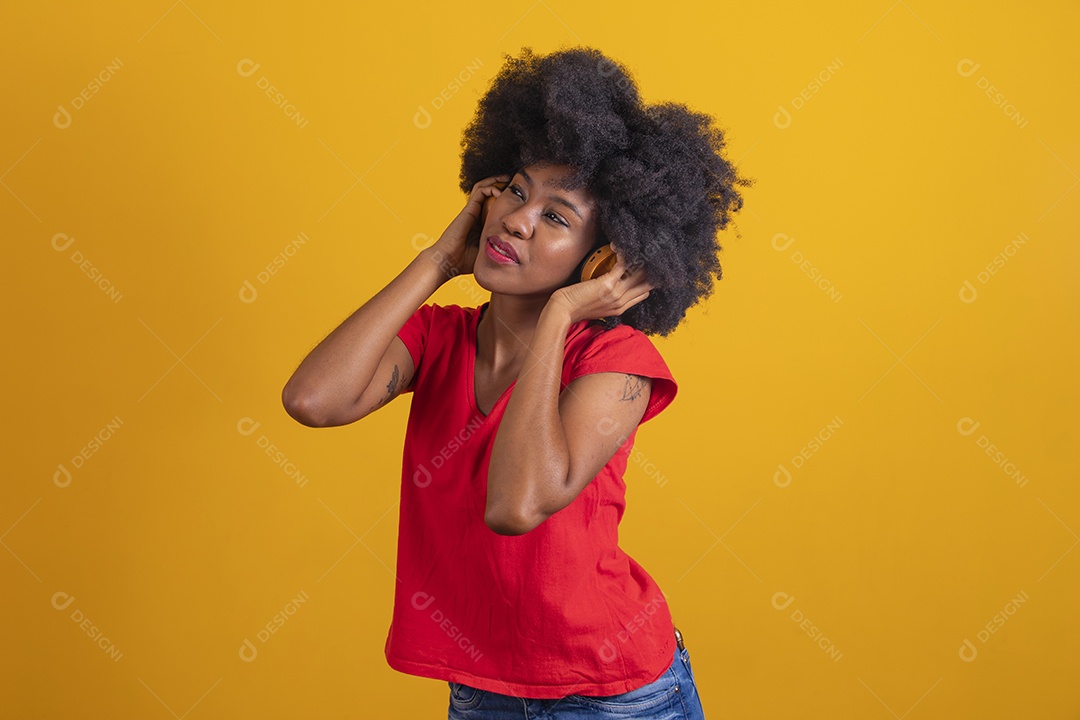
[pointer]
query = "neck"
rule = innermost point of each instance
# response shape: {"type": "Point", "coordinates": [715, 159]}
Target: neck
{"type": "Point", "coordinates": [506, 329]}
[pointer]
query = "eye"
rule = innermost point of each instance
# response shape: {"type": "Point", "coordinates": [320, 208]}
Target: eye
{"type": "Point", "coordinates": [557, 219]}
{"type": "Point", "coordinates": [517, 191]}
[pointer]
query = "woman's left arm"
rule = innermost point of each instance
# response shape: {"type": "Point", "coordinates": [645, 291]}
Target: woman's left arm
{"type": "Point", "coordinates": [550, 445]}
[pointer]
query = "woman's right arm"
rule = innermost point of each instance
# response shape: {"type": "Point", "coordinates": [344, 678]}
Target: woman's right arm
{"type": "Point", "coordinates": [362, 364]}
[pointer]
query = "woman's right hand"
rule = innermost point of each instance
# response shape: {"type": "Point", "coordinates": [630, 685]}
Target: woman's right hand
{"type": "Point", "coordinates": [457, 247]}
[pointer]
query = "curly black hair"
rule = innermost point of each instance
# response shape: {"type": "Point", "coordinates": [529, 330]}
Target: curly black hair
{"type": "Point", "coordinates": [662, 185]}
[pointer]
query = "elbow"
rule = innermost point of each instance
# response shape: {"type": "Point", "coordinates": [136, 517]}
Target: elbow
{"type": "Point", "coordinates": [511, 521]}
{"type": "Point", "coordinates": [300, 409]}
{"type": "Point", "coordinates": [517, 511]}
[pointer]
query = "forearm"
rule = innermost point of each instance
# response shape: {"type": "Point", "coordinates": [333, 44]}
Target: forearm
{"type": "Point", "coordinates": [336, 372]}
{"type": "Point", "coordinates": [529, 457]}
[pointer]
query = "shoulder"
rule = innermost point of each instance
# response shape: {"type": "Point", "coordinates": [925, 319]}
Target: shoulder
{"type": "Point", "coordinates": [434, 310]}
{"type": "Point", "coordinates": [626, 350]}
{"type": "Point", "coordinates": [440, 319]}
{"type": "Point", "coordinates": [434, 328]}
{"type": "Point", "coordinates": [596, 341]}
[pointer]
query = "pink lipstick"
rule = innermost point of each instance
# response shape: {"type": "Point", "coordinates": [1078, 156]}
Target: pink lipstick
{"type": "Point", "coordinates": [501, 252]}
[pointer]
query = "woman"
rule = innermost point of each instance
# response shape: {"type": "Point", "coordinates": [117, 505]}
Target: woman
{"type": "Point", "coordinates": [511, 586]}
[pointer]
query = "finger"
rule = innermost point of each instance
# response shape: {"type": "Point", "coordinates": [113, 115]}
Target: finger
{"type": "Point", "coordinates": [632, 295]}
{"type": "Point", "coordinates": [487, 186]}
{"type": "Point", "coordinates": [634, 282]}
{"type": "Point", "coordinates": [609, 289]}
{"type": "Point", "coordinates": [489, 191]}
{"type": "Point", "coordinates": [627, 272]}
{"type": "Point", "coordinates": [492, 179]}
{"type": "Point", "coordinates": [618, 269]}
{"type": "Point", "coordinates": [479, 194]}
{"type": "Point", "coordinates": [633, 279]}
{"type": "Point", "coordinates": [639, 277]}
{"type": "Point", "coordinates": [626, 305]}
{"type": "Point", "coordinates": [495, 180]}
{"type": "Point", "coordinates": [638, 298]}
{"type": "Point", "coordinates": [637, 269]}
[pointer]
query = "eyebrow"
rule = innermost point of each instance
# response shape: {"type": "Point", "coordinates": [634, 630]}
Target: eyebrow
{"type": "Point", "coordinates": [557, 198]}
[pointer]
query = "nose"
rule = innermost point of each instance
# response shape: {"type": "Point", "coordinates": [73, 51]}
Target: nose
{"type": "Point", "coordinates": [518, 222]}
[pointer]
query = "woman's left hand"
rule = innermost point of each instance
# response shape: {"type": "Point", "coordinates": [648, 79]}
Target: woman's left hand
{"type": "Point", "coordinates": [612, 293]}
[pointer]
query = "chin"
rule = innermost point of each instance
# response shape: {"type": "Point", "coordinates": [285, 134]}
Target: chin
{"type": "Point", "coordinates": [505, 287]}
{"type": "Point", "coordinates": [481, 278]}
{"type": "Point", "coordinates": [489, 279]}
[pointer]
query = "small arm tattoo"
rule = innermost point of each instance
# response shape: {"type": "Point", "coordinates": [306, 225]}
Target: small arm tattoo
{"type": "Point", "coordinates": [391, 386]}
{"type": "Point", "coordinates": [396, 383]}
{"type": "Point", "coordinates": [632, 389]}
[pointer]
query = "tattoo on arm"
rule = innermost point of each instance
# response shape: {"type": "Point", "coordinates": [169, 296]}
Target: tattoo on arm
{"type": "Point", "coordinates": [632, 389]}
{"type": "Point", "coordinates": [396, 383]}
{"type": "Point", "coordinates": [391, 386]}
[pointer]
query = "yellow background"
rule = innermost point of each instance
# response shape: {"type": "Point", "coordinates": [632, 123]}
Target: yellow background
{"type": "Point", "coordinates": [849, 588]}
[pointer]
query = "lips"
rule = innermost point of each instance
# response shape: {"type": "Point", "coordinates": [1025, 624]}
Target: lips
{"type": "Point", "coordinates": [503, 248]}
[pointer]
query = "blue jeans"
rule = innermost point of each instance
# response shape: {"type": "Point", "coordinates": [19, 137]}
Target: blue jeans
{"type": "Point", "coordinates": [673, 696]}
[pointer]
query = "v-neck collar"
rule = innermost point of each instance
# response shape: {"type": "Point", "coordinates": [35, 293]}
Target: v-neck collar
{"type": "Point", "coordinates": [474, 343]}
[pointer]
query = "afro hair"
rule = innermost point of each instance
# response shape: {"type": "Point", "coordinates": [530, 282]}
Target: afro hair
{"type": "Point", "coordinates": [662, 185]}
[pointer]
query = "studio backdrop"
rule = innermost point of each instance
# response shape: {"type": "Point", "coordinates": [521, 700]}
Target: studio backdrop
{"type": "Point", "coordinates": [862, 503]}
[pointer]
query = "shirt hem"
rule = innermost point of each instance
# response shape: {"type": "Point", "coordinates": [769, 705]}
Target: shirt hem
{"type": "Point", "coordinates": [523, 690]}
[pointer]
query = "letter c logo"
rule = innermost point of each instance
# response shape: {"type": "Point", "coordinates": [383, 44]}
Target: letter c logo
{"type": "Point", "coordinates": [248, 651]}
{"type": "Point", "coordinates": [61, 118]}
{"type": "Point", "coordinates": [782, 118]}
{"type": "Point", "coordinates": [422, 118]}
{"type": "Point", "coordinates": [247, 68]}
{"type": "Point", "coordinates": [422, 600]}
{"type": "Point", "coordinates": [62, 477]}
{"type": "Point", "coordinates": [970, 425]}
{"type": "Point", "coordinates": [968, 293]}
{"type": "Point", "coordinates": [422, 483]}
{"type": "Point", "coordinates": [781, 237]}
{"type": "Point", "coordinates": [248, 293]}
{"type": "Point", "coordinates": [782, 473]}
{"type": "Point", "coordinates": [246, 426]}
{"type": "Point", "coordinates": [65, 246]}
{"type": "Point", "coordinates": [967, 67]}
{"type": "Point", "coordinates": [782, 597]}
{"type": "Point", "coordinates": [57, 599]}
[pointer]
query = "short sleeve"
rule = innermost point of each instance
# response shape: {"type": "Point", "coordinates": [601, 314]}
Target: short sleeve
{"type": "Point", "coordinates": [624, 349]}
{"type": "Point", "coordinates": [415, 333]}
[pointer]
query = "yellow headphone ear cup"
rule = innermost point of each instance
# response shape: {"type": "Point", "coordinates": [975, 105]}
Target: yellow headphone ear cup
{"type": "Point", "coordinates": [601, 261]}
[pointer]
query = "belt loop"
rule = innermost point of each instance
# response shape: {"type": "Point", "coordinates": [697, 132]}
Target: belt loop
{"type": "Point", "coordinates": [679, 639]}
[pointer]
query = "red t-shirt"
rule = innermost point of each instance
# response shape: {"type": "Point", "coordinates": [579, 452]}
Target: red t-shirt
{"type": "Point", "coordinates": [560, 610]}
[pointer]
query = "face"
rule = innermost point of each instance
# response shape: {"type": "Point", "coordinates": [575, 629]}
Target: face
{"type": "Point", "coordinates": [545, 230]}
